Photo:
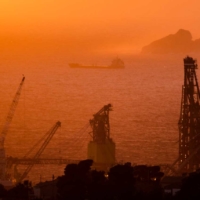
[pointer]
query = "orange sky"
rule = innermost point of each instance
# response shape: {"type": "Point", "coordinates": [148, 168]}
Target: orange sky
{"type": "Point", "coordinates": [88, 25]}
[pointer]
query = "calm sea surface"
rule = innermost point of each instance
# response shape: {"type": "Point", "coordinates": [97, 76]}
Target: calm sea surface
{"type": "Point", "coordinates": [146, 98]}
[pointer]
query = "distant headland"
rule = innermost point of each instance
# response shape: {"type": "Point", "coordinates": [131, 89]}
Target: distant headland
{"type": "Point", "coordinates": [180, 42]}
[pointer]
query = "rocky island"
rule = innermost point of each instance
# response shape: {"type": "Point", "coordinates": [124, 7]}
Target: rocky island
{"type": "Point", "coordinates": [180, 42]}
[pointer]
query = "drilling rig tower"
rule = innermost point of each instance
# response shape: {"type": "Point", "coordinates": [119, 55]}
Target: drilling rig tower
{"type": "Point", "coordinates": [189, 121]}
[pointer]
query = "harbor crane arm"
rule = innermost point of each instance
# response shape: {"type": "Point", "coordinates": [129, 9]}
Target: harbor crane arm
{"type": "Point", "coordinates": [5, 130]}
{"type": "Point", "coordinates": [100, 124]}
{"type": "Point", "coordinates": [11, 114]}
{"type": "Point", "coordinates": [51, 133]}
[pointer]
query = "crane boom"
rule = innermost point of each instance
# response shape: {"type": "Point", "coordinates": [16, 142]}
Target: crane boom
{"type": "Point", "coordinates": [5, 130]}
{"type": "Point", "coordinates": [10, 114]}
{"type": "Point", "coordinates": [51, 132]}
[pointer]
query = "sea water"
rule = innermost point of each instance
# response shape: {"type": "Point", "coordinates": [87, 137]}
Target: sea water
{"type": "Point", "coordinates": [145, 95]}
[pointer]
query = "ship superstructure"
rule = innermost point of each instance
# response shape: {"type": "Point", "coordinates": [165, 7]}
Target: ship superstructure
{"type": "Point", "coordinates": [116, 63]}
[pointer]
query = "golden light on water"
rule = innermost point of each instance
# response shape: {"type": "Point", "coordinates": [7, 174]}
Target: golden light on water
{"type": "Point", "coordinates": [39, 38]}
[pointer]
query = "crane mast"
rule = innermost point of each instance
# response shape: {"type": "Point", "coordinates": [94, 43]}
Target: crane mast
{"type": "Point", "coordinates": [6, 127]}
{"type": "Point", "coordinates": [10, 114]}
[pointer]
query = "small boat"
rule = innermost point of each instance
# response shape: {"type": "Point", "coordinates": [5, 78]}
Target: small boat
{"type": "Point", "coordinates": [117, 63]}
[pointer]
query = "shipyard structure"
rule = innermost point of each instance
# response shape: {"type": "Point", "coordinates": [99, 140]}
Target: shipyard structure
{"type": "Point", "coordinates": [189, 122]}
{"type": "Point", "coordinates": [101, 149]}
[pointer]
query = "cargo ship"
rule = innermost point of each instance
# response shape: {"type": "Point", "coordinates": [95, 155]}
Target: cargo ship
{"type": "Point", "coordinates": [117, 63]}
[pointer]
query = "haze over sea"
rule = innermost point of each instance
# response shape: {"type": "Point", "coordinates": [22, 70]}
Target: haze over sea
{"type": "Point", "coordinates": [145, 95]}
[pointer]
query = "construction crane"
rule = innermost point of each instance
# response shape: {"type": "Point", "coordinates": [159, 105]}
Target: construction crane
{"type": "Point", "coordinates": [6, 128]}
{"type": "Point", "coordinates": [49, 134]}
{"type": "Point", "coordinates": [100, 124]}
{"type": "Point", "coordinates": [102, 148]}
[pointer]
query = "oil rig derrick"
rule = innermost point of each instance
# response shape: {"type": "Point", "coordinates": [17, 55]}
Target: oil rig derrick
{"type": "Point", "coordinates": [101, 149]}
{"type": "Point", "coordinates": [189, 121]}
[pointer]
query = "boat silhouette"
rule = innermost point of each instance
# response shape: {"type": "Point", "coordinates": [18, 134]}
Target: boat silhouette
{"type": "Point", "coordinates": [116, 63]}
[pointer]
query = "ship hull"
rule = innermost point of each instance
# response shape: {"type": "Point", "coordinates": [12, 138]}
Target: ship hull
{"type": "Point", "coordinates": [75, 65]}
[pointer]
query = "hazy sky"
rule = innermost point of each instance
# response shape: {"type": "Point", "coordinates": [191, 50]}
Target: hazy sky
{"type": "Point", "coordinates": [94, 25]}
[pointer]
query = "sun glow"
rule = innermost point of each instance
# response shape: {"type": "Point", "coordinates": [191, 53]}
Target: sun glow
{"type": "Point", "coordinates": [118, 26]}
